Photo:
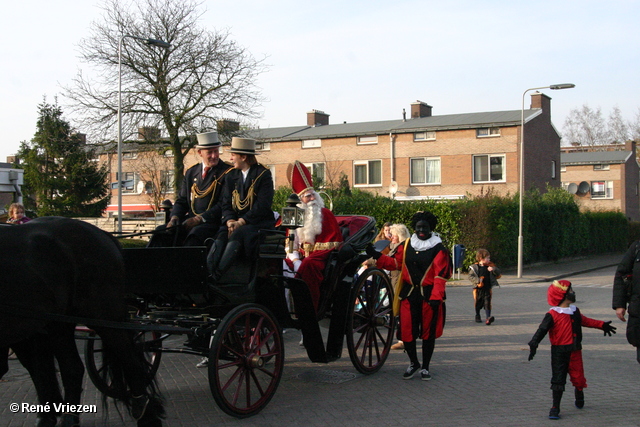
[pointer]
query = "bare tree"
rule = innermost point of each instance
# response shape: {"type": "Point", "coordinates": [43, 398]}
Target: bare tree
{"type": "Point", "coordinates": [586, 127]}
{"type": "Point", "coordinates": [617, 127]}
{"type": "Point", "coordinates": [634, 127]}
{"type": "Point", "coordinates": [203, 77]}
{"type": "Point", "coordinates": [152, 165]}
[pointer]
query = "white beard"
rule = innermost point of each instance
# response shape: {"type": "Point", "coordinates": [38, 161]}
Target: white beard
{"type": "Point", "coordinates": [312, 220]}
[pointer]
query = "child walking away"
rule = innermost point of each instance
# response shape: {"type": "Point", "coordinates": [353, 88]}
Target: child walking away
{"type": "Point", "coordinates": [484, 276]}
{"type": "Point", "coordinates": [564, 323]}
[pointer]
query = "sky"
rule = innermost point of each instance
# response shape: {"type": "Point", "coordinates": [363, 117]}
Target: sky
{"type": "Point", "coordinates": [362, 60]}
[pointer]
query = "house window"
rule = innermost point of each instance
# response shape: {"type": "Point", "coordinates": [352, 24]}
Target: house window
{"type": "Point", "coordinates": [600, 167]}
{"type": "Point", "coordinates": [129, 155]}
{"type": "Point", "coordinates": [553, 169]}
{"type": "Point", "coordinates": [166, 181]}
{"type": "Point", "coordinates": [130, 182]}
{"type": "Point", "coordinates": [312, 143]}
{"type": "Point", "coordinates": [367, 173]}
{"type": "Point", "coordinates": [368, 139]}
{"type": "Point", "coordinates": [263, 146]}
{"type": "Point", "coordinates": [602, 189]}
{"type": "Point", "coordinates": [425, 136]}
{"type": "Point", "coordinates": [486, 132]}
{"type": "Point", "coordinates": [488, 168]}
{"type": "Point", "coordinates": [425, 170]}
{"type": "Point", "coordinates": [317, 172]}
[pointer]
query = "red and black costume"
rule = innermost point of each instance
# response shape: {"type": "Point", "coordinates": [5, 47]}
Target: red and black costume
{"type": "Point", "coordinates": [425, 268]}
{"type": "Point", "coordinates": [564, 326]}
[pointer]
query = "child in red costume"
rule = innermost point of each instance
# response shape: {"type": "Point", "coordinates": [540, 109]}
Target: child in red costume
{"type": "Point", "coordinates": [564, 323]}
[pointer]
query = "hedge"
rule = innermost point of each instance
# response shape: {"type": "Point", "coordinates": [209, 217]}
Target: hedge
{"type": "Point", "coordinates": [553, 226]}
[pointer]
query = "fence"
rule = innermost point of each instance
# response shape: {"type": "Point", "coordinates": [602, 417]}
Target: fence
{"type": "Point", "coordinates": [129, 225]}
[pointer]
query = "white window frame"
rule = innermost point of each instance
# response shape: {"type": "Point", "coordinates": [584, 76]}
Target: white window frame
{"type": "Point", "coordinates": [311, 143]}
{"type": "Point", "coordinates": [429, 135]}
{"type": "Point", "coordinates": [489, 157]}
{"type": "Point", "coordinates": [491, 132]}
{"type": "Point", "coordinates": [367, 163]}
{"type": "Point", "coordinates": [313, 168]}
{"type": "Point", "coordinates": [605, 193]}
{"type": "Point", "coordinates": [132, 189]}
{"type": "Point", "coordinates": [272, 169]}
{"type": "Point", "coordinates": [426, 160]}
{"type": "Point", "coordinates": [129, 155]}
{"type": "Point", "coordinates": [601, 167]}
{"type": "Point", "coordinates": [367, 139]}
{"type": "Point", "coordinates": [166, 180]}
{"type": "Point", "coordinates": [263, 146]}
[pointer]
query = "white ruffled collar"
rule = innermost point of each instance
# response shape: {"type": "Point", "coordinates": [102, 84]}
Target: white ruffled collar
{"type": "Point", "coordinates": [565, 310]}
{"type": "Point", "coordinates": [423, 245]}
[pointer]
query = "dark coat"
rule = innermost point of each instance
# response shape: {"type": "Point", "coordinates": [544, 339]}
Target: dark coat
{"type": "Point", "coordinates": [630, 265]}
{"type": "Point", "coordinates": [256, 193]}
{"type": "Point", "coordinates": [207, 206]}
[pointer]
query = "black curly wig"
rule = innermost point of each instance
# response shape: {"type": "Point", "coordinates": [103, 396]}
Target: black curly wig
{"type": "Point", "coordinates": [424, 216]}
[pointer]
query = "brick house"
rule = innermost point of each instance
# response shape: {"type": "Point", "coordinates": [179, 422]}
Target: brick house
{"type": "Point", "coordinates": [603, 177]}
{"type": "Point", "coordinates": [424, 156]}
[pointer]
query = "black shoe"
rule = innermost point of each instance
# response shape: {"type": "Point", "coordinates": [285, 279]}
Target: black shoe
{"type": "Point", "coordinates": [478, 319]}
{"type": "Point", "coordinates": [579, 399]}
{"type": "Point", "coordinates": [490, 320]}
{"type": "Point", "coordinates": [425, 375]}
{"type": "Point", "coordinates": [554, 413]}
{"type": "Point", "coordinates": [410, 372]}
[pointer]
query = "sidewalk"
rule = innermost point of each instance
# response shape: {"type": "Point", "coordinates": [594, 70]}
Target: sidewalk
{"type": "Point", "coordinates": [549, 271]}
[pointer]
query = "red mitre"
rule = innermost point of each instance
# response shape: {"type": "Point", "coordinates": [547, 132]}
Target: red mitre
{"type": "Point", "coordinates": [300, 178]}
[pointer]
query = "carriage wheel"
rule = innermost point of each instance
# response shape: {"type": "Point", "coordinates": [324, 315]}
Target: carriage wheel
{"type": "Point", "coordinates": [371, 322]}
{"type": "Point", "coordinates": [93, 358]}
{"type": "Point", "coordinates": [241, 380]}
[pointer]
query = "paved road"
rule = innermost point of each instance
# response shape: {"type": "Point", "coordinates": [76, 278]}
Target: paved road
{"type": "Point", "coordinates": [481, 376]}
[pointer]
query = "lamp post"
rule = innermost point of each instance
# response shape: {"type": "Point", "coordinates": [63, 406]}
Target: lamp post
{"type": "Point", "coordinates": [521, 183]}
{"type": "Point", "coordinates": [151, 42]}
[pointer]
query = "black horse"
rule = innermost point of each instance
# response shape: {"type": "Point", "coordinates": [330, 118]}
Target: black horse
{"type": "Point", "coordinates": [53, 272]}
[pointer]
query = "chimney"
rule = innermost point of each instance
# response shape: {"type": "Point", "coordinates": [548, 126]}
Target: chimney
{"type": "Point", "coordinates": [227, 126]}
{"type": "Point", "coordinates": [541, 101]}
{"type": "Point", "coordinates": [317, 118]}
{"type": "Point", "coordinates": [420, 109]}
{"type": "Point", "coordinates": [630, 145]}
{"type": "Point", "coordinates": [148, 133]}
{"type": "Point", "coordinates": [404, 115]}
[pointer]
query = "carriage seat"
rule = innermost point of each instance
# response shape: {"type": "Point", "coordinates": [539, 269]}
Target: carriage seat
{"type": "Point", "coordinates": [270, 247]}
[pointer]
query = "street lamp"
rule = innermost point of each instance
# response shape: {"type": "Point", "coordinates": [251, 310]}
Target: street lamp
{"type": "Point", "coordinates": [521, 183]}
{"type": "Point", "coordinates": [150, 42]}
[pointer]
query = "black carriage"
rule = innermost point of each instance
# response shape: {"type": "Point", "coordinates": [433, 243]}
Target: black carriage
{"type": "Point", "coordinates": [237, 322]}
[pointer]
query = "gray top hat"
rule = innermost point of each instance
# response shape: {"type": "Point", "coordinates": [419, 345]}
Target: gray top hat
{"type": "Point", "coordinates": [208, 140]}
{"type": "Point", "coordinates": [243, 146]}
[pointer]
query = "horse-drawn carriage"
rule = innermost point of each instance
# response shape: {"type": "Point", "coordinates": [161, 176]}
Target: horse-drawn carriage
{"type": "Point", "coordinates": [238, 320]}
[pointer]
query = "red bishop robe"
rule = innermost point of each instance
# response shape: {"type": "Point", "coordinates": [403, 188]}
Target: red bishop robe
{"type": "Point", "coordinates": [314, 255]}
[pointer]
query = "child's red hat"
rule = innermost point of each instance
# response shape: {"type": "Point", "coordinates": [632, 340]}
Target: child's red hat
{"type": "Point", "coordinates": [557, 292]}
